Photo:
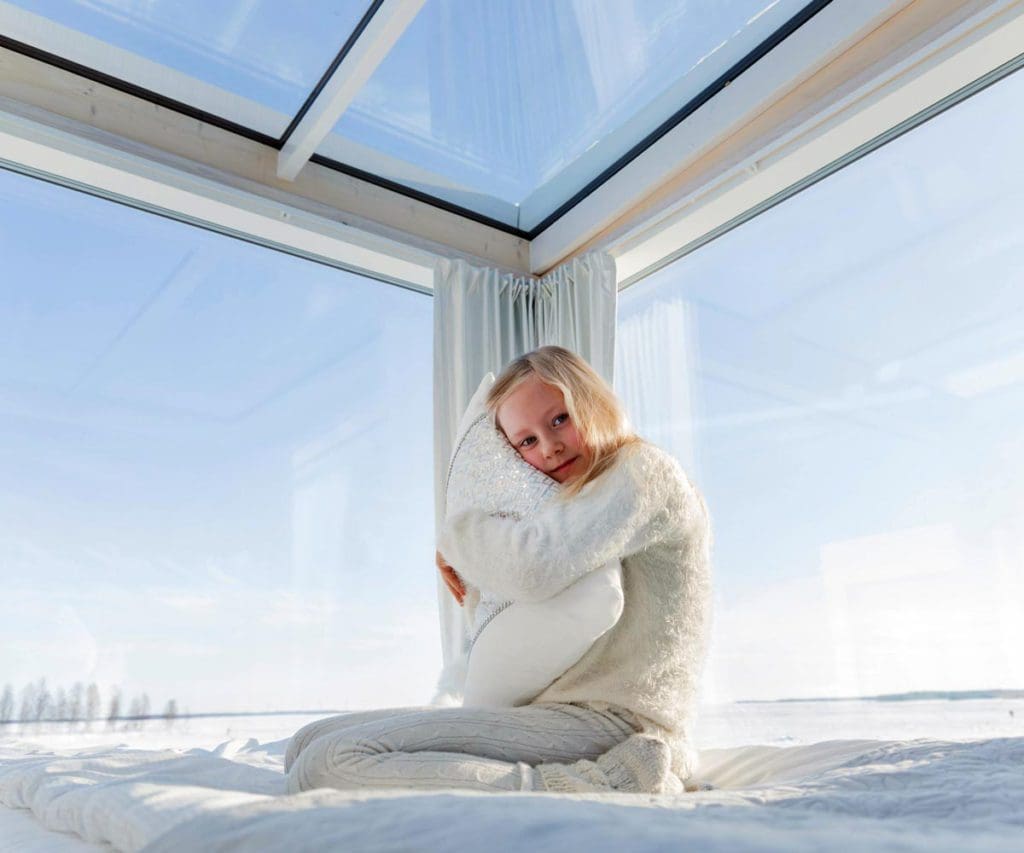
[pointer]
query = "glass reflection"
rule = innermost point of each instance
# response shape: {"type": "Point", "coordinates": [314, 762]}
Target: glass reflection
{"type": "Point", "coordinates": [844, 377]}
{"type": "Point", "coordinates": [205, 449]}
{"type": "Point", "coordinates": [250, 61]}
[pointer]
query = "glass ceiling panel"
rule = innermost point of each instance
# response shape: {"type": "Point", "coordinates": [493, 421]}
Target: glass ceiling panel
{"type": "Point", "coordinates": [253, 62]}
{"type": "Point", "coordinates": [510, 108]}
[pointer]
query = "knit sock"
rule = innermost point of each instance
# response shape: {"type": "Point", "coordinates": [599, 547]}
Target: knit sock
{"type": "Point", "coordinates": [640, 764]}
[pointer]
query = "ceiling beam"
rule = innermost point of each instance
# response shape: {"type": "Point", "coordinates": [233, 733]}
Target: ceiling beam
{"type": "Point", "coordinates": [129, 174]}
{"type": "Point", "coordinates": [920, 62]}
{"type": "Point", "coordinates": [364, 55]}
{"type": "Point", "coordinates": [805, 52]}
{"type": "Point", "coordinates": [179, 148]}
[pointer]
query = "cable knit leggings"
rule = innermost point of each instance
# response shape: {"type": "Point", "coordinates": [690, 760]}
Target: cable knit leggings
{"type": "Point", "coordinates": [478, 748]}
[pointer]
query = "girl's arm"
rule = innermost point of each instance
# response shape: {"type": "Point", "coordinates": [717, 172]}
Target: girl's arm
{"type": "Point", "coordinates": [627, 508]}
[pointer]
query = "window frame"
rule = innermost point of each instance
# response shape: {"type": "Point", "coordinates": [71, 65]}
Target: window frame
{"type": "Point", "coordinates": [913, 56]}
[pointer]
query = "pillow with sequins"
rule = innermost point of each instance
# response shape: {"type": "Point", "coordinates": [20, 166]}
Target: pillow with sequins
{"type": "Point", "coordinates": [513, 650]}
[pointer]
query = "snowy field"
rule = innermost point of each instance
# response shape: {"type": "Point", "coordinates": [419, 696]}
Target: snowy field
{"type": "Point", "coordinates": [790, 723]}
{"type": "Point", "coordinates": [736, 724]}
{"type": "Point", "coordinates": [906, 775]}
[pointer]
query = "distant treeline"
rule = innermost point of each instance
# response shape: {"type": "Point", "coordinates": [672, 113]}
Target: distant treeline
{"type": "Point", "coordinates": [913, 696]}
{"type": "Point", "coordinates": [79, 704]}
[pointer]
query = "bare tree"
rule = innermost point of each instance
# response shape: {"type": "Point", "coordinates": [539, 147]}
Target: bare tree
{"type": "Point", "coordinates": [28, 704]}
{"type": "Point", "coordinates": [42, 708]}
{"type": "Point", "coordinates": [134, 710]}
{"type": "Point", "coordinates": [170, 712]}
{"type": "Point", "coordinates": [7, 704]}
{"type": "Point", "coordinates": [138, 711]}
{"type": "Point", "coordinates": [92, 704]}
{"type": "Point", "coordinates": [115, 708]}
{"type": "Point", "coordinates": [59, 708]}
{"type": "Point", "coordinates": [75, 704]}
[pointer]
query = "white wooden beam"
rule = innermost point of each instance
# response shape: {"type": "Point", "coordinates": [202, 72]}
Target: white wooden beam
{"type": "Point", "coordinates": [180, 147]}
{"type": "Point", "coordinates": [827, 35]}
{"type": "Point", "coordinates": [950, 55]}
{"type": "Point", "coordinates": [36, 148]}
{"type": "Point", "coordinates": [382, 31]}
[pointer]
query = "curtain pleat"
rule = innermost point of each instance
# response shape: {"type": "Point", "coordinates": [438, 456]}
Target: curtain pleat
{"type": "Point", "coordinates": [657, 353]}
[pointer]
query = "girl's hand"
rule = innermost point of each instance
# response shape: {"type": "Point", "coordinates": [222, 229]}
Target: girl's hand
{"type": "Point", "coordinates": [453, 581]}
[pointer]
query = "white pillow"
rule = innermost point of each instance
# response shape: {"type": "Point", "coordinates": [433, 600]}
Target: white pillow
{"type": "Point", "coordinates": [485, 472]}
{"type": "Point", "coordinates": [527, 645]}
{"type": "Point", "coordinates": [530, 644]}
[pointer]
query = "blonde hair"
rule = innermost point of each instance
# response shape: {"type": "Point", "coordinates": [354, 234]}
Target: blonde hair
{"type": "Point", "coordinates": [598, 415]}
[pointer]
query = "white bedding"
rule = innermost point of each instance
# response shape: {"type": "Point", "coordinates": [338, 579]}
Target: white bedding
{"type": "Point", "coordinates": [849, 794]}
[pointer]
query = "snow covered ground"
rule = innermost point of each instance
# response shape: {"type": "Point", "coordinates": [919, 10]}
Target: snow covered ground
{"type": "Point", "coordinates": [910, 775]}
{"type": "Point", "coordinates": [788, 723]}
{"type": "Point", "coordinates": [734, 724]}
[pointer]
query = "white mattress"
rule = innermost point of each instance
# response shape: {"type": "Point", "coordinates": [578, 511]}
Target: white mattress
{"type": "Point", "coordinates": [849, 794]}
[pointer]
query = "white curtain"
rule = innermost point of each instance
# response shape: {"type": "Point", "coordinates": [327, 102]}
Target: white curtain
{"type": "Point", "coordinates": [656, 356]}
{"type": "Point", "coordinates": [483, 319]}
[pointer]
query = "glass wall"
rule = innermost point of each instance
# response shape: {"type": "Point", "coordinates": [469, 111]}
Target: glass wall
{"type": "Point", "coordinates": [216, 476]}
{"type": "Point", "coordinates": [843, 377]}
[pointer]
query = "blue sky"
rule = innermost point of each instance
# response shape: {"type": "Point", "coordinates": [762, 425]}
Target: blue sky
{"type": "Point", "coordinates": [204, 447]}
{"type": "Point", "coordinates": [855, 361]}
{"type": "Point", "coordinates": [215, 459]}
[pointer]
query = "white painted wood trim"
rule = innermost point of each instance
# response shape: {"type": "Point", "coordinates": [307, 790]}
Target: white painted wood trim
{"type": "Point", "coordinates": [29, 145]}
{"type": "Point", "coordinates": [84, 133]}
{"type": "Point", "coordinates": [374, 43]}
{"type": "Point", "coordinates": [828, 34]}
{"type": "Point", "coordinates": [180, 146]}
{"type": "Point", "coordinates": [976, 46]}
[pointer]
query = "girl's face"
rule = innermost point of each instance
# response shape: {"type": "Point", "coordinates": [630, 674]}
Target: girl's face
{"type": "Point", "coordinates": [536, 423]}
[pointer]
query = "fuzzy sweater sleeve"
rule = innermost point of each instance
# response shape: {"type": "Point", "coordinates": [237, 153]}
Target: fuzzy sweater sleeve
{"type": "Point", "coordinates": [614, 516]}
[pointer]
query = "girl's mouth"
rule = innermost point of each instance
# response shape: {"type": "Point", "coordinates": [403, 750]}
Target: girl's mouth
{"type": "Point", "coordinates": [564, 466]}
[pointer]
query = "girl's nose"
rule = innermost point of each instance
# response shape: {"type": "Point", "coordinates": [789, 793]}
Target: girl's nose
{"type": "Point", "coordinates": [553, 447]}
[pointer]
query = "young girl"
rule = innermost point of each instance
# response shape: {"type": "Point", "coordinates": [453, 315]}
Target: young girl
{"type": "Point", "coordinates": [511, 650]}
{"type": "Point", "coordinates": [620, 717]}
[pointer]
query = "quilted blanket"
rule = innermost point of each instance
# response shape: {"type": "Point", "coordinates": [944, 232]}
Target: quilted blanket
{"type": "Point", "coordinates": [850, 794]}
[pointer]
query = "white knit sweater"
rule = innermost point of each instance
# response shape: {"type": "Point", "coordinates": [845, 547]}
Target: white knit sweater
{"type": "Point", "coordinates": [645, 512]}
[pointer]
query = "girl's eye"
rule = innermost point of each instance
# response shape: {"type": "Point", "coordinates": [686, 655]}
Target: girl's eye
{"type": "Point", "coordinates": [555, 422]}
